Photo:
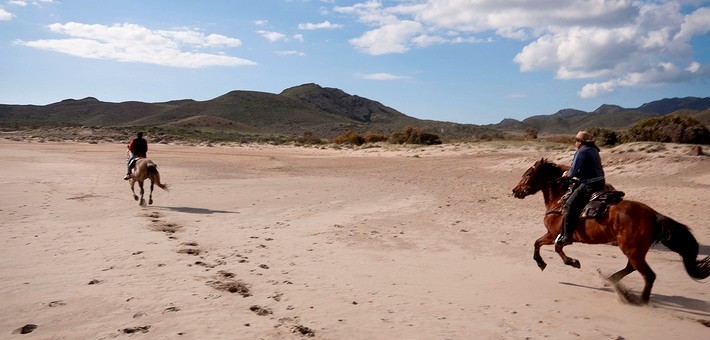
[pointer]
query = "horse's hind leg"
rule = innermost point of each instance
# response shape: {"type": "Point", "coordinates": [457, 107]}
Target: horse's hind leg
{"type": "Point", "coordinates": [142, 202]}
{"type": "Point", "coordinates": [133, 189]}
{"type": "Point", "coordinates": [150, 197]}
{"type": "Point", "coordinates": [546, 239]}
{"type": "Point", "coordinates": [648, 275]}
{"type": "Point", "coordinates": [616, 277]}
{"type": "Point", "coordinates": [565, 259]}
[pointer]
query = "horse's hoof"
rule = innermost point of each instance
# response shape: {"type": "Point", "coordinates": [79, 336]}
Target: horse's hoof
{"type": "Point", "coordinates": [135, 198]}
{"type": "Point", "coordinates": [542, 266]}
{"type": "Point", "coordinates": [150, 202]}
{"type": "Point", "coordinates": [575, 263]}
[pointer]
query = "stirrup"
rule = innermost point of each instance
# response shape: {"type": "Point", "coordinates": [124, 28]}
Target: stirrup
{"type": "Point", "coordinates": [563, 240]}
{"type": "Point", "coordinates": [127, 177]}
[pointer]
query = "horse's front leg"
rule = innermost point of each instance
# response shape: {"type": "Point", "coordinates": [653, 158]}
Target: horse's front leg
{"type": "Point", "coordinates": [567, 260]}
{"type": "Point", "coordinates": [546, 239]}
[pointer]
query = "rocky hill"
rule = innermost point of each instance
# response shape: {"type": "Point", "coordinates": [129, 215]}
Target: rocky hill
{"type": "Point", "coordinates": [325, 112]}
{"type": "Point", "coordinates": [310, 108]}
{"type": "Point", "coordinates": [610, 116]}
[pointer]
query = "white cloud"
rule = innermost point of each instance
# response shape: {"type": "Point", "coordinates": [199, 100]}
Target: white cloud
{"type": "Point", "coordinates": [381, 76]}
{"type": "Point", "coordinates": [138, 44]}
{"type": "Point", "coordinates": [272, 36]}
{"type": "Point", "coordinates": [390, 38]}
{"type": "Point", "coordinates": [661, 74]}
{"type": "Point", "coordinates": [5, 15]}
{"type": "Point", "coordinates": [291, 53]}
{"type": "Point", "coordinates": [323, 25]}
{"type": "Point", "coordinates": [619, 43]}
{"type": "Point", "coordinates": [18, 3]}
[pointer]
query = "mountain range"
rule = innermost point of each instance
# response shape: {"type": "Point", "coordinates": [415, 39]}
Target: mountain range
{"type": "Point", "coordinates": [325, 112]}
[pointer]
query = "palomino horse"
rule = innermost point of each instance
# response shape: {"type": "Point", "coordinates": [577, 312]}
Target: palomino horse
{"type": "Point", "coordinates": [145, 169]}
{"type": "Point", "coordinates": [632, 225]}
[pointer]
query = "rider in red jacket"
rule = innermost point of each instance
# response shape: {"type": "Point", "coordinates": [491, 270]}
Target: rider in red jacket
{"type": "Point", "coordinates": [138, 147]}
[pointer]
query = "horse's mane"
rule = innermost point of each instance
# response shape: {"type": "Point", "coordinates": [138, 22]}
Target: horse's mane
{"type": "Point", "coordinates": [543, 164]}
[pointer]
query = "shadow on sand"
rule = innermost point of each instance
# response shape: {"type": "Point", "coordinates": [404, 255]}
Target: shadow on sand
{"type": "Point", "coordinates": [201, 211]}
{"type": "Point", "coordinates": [672, 302]}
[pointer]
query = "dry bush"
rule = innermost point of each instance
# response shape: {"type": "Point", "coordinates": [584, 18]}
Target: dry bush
{"type": "Point", "coordinates": [349, 138]}
{"type": "Point", "coordinates": [531, 133]}
{"type": "Point", "coordinates": [413, 135]}
{"type": "Point", "coordinates": [563, 139]}
{"type": "Point", "coordinates": [308, 138]}
{"type": "Point", "coordinates": [374, 137]}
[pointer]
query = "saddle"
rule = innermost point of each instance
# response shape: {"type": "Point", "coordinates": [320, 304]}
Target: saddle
{"type": "Point", "coordinates": [132, 165]}
{"type": "Point", "coordinates": [600, 202]}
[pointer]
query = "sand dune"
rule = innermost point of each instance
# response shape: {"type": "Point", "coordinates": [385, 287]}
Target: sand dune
{"type": "Point", "coordinates": [280, 242]}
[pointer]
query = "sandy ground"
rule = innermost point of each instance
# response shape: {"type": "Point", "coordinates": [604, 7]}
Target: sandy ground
{"type": "Point", "coordinates": [267, 242]}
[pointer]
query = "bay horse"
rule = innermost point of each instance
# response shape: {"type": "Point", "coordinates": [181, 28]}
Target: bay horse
{"type": "Point", "coordinates": [144, 169]}
{"type": "Point", "coordinates": [632, 225]}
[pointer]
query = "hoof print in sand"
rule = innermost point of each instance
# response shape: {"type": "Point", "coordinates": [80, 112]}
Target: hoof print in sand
{"type": "Point", "coordinates": [261, 311]}
{"type": "Point", "coordinates": [167, 228]}
{"type": "Point", "coordinates": [56, 303]}
{"type": "Point", "coordinates": [138, 329]}
{"type": "Point", "coordinates": [303, 330]}
{"type": "Point", "coordinates": [171, 309]}
{"type": "Point", "coordinates": [226, 282]}
{"type": "Point", "coordinates": [189, 251]}
{"type": "Point", "coordinates": [26, 329]}
{"type": "Point", "coordinates": [94, 282]}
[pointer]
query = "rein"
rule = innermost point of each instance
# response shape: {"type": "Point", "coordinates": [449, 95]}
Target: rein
{"type": "Point", "coordinates": [558, 209]}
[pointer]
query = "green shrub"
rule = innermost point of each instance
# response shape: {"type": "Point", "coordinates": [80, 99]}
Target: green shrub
{"type": "Point", "coordinates": [670, 128]}
{"type": "Point", "coordinates": [604, 136]}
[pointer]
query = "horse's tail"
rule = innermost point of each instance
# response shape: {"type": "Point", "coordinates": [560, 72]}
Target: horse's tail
{"type": "Point", "coordinates": [678, 238]}
{"type": "Point", "coordinates": [153, 173]}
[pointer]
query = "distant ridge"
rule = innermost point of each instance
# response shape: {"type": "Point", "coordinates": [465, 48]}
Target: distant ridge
{"type": "Point", "coordinates": [610, 116]}
{"type": "Point", "coordinates": [325, 112]}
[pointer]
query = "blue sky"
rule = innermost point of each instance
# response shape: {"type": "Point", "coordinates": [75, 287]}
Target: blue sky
{"type": "Point", "coordinates": [466, 61]}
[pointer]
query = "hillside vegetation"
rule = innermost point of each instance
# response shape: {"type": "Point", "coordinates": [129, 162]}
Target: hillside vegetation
{"type": "Point", "coordinates": [315, 113]}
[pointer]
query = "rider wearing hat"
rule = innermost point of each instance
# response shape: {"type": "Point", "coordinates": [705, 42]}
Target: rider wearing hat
{"type": "Point", "coordinates": [588, 176]}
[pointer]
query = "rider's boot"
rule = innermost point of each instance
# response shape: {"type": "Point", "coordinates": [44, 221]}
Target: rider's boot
{"type": "Point", "coordinates": [566, 235]}
{"type": "Point", "coordinates": [127, 177]}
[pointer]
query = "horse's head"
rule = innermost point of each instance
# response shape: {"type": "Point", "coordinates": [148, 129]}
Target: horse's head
{"type": "Point", "coordinates": [537, 177]}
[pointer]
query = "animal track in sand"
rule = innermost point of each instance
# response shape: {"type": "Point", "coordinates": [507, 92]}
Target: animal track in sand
{"type": "Point", "coordinates": [56, 303]}
{"type": "Point", "coordinates": [261, 311]}
{"type": "Point", "coordinates": [189, 251]}
{"type": "Point", "coordinates": [26, 329]}
{"type": "Point", "coordinates": [167, 228]}
{"type": "Point", "coordinates": [137, 329]}
{"type": "Point", "coordinates": [226, 281]}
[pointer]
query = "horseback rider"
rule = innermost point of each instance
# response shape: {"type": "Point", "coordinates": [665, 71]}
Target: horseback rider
{"type": "Point", "coordinates": [138, 147]}
{"type": "Point", "coordinates": [587, 176]}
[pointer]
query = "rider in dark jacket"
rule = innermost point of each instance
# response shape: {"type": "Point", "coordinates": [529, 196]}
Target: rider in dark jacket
{"type": "Point", "coordinates": [587, 174]}
{"type": "Point", "coordinates": [138, 147]}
